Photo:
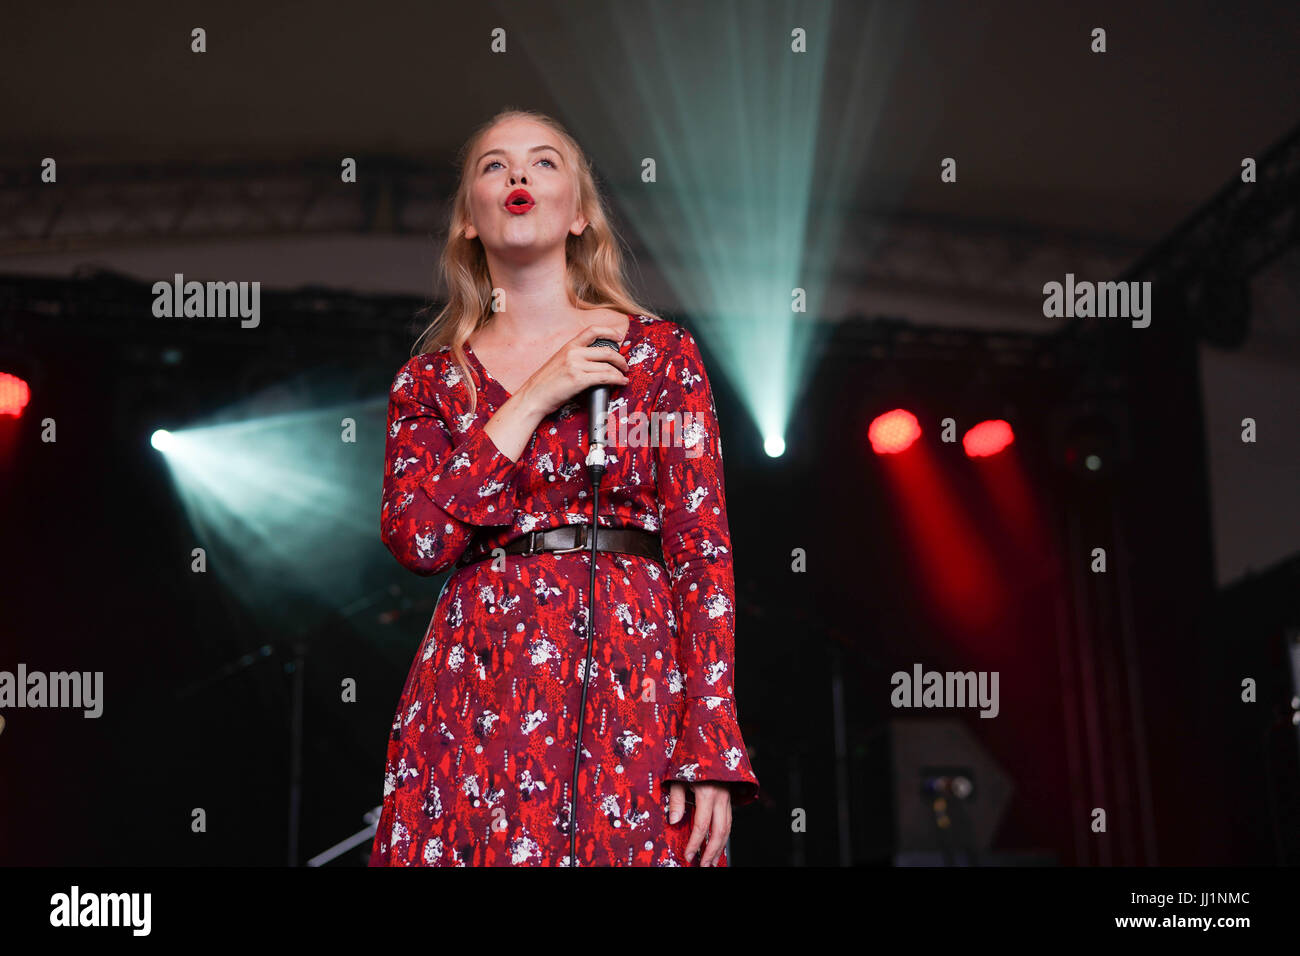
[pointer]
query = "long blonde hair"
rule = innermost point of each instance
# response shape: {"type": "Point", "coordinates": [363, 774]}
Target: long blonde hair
{"type": "Point", "coordinates": [594, 261]}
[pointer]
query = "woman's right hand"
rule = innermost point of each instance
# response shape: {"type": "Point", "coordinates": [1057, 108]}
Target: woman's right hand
{"type": "Point", "coordinates": [574, 367]}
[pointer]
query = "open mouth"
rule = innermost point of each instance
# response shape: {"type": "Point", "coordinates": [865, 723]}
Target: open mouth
{"type": "Point", "coordinates": [519, 201]}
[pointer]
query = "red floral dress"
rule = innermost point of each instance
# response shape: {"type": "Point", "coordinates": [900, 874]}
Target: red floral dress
{"type": "Point", "coordinates": [480, 758]}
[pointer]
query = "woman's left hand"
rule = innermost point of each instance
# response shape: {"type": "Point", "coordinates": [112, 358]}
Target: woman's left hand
{"type": "Point", "coordinates": [712, 816]}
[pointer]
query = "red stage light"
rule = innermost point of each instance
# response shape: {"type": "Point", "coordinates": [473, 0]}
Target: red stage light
{"type": "Point", "coordinates": [893, 432]}
{"type": "Point", "coordinates": [14, 394]}
{"type": "Point", "coordinates": [987, 438]}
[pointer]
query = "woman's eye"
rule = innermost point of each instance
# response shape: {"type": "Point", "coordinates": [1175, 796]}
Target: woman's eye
{"type": "Point", "coordinates": [497, 162]}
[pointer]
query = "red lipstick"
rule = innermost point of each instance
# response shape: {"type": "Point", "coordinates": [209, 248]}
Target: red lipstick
{"type": "Point", "coordinates": [519, 202]}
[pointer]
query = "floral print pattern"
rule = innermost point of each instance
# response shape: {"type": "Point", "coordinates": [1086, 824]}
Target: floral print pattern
{"type": "Point", "coordinates": [480, 758]}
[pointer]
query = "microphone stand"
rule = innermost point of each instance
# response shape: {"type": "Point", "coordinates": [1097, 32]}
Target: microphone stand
{"type": "Point", "coordinates": [595, 470]}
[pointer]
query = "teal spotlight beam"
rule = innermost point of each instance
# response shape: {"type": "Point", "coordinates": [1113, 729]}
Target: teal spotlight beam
{"type": "Point", "coordinates": [280, 503]}
{"type": "Point", "coordinates": [757, 152]}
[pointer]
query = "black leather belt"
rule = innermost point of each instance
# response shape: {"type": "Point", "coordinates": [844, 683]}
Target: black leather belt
{"type": "Point", "coordinates": [574, 537]}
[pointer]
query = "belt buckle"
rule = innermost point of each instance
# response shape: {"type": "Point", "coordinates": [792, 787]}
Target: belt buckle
{"type": "Point", "coordinates": [581, 546]}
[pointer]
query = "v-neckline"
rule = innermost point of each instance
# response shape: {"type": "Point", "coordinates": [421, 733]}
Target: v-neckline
{"type": "Point", "coordinates": [491, 379]}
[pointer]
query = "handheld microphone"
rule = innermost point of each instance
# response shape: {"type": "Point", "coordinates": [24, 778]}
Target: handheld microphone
{"type": "Point", "coordinates": [598, 407]}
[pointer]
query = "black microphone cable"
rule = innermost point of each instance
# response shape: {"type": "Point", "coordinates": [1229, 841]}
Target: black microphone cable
{"type": "Point", "coordinates": [595, 469]}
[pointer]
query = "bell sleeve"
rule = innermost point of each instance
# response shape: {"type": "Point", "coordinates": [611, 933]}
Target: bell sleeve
{"type": "Point", "coordinates": [436, 490]}
{"type": "Point", "coordinates": [697, 554]}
